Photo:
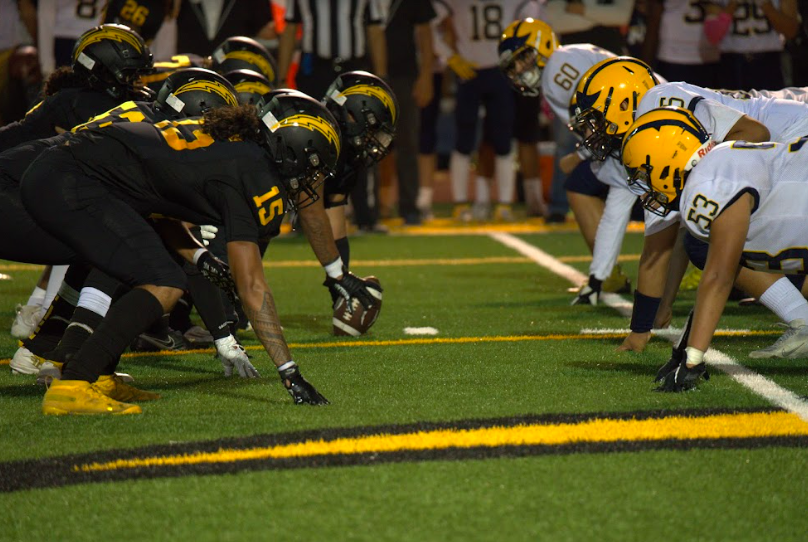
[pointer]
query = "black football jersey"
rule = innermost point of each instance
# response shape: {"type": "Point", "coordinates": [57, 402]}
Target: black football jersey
{"type": "Point", "coordinates": [65, 109]}
{"type": "Point", "coordinates": [143, 16]}
{"type": "Point", "coordinates": [164, 68]}
{"type": "Point", "coordinates": [14, 161]}
{"type": "Point", "coordinates": [176, 170]}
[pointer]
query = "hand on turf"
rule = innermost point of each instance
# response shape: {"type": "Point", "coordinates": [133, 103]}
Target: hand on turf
{"type": "Point", "coordinates": [350, 286]}
{"type": "Point", "coordinates": [300, 389]}
{"type": "Point", "coordinates": [682, 377]}
{"type": "Point", "coordinates": [589, 293]}
{"type": "Point", "coordinates": [635, 342]}
{"type": "Point", "coordinates": [208, 233]}
{"type": "Point", "coordinates": [233, 356]}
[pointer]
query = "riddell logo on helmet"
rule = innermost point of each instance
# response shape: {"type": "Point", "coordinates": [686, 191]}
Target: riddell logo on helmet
{"type": "Point", "coordinates": [704, 150]}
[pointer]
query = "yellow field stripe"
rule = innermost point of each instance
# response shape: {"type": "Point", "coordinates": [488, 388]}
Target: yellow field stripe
{"type": "Point", "coordinates": [438, 340]}
{"type": "Point", "coordinates": [420, 262]}
{"type": "Point", "coordinates": [774, 424]}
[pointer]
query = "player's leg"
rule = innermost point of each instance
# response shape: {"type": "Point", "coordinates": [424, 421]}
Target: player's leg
{"type": "Point", "coordinates": [586, 196]}
{"type": "Point", "coordinates": [526, 132]}
{"type": "Point", "coordinates": [467, 105]}
{"type": "Point", "coordinates": [427, 143]}
{"type": "Point", "coordinates": [499, 125]}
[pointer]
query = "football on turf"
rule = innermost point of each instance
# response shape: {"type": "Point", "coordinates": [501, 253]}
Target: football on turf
{"type": "Point", "coordinates": [358, 321]}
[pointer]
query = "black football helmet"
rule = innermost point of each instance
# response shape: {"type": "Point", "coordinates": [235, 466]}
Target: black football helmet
{"type": "Point", "coordinates": [114, 57]}
{"type": "Point", "coordinates": [367, 111]}
{"type": "Point", "coordinates": [242, 53]}
{"type": "Point", "coordinates": [190, 92]}
{"type": "Point", "coordinates": [250, 85]}
{"type": "Point", "coordinates": [302, 139]}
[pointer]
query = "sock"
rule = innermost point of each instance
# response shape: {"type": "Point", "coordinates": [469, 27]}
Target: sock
{"type": "Point", "coordinates": [424, 202]}
{"type": "Point", "coordinates": [49, 331]}
{"type": "Point", "coordinates": [784, 300]}
{"type": "Point", "coordinates": [81, 326]}
{"type": "Point", "coordinates": [127, 319]}
{"type": "Point", "coordinates": [459, 169]}
{"type": "Point", "coordinates": [57, 276]}
{"type": "Point", "coordinates": [37, 297]}
{"type": "Point", "coordinates": [94, 300]}
{"type": "Point", "coordinates": [344, 248]}
{"type": "Point", "coordinates": [208, 303]}
{"type": "Point", "coordinates": [180, 317]}
{"type": "Point", "coordinates": [506, 178]}
{"type": "Point", "coordinates": [482, 191]}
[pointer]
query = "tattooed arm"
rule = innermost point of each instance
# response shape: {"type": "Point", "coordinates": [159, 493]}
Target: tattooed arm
{"type": "Point", "coordinates": [248, 273]}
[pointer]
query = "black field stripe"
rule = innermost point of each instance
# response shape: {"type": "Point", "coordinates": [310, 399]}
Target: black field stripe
{"type": "Point", "coordinates": [61, 471]}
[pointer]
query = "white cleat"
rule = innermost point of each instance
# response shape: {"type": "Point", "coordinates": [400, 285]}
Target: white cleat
{"type": "Point", "coordinates": [50, 370]}
{"type": "Point", "coordinates": [28, 317]}
{"type": "Point", "coordinates": [25, 362]}
{"type": "Point", "coordinates": [792, 344]}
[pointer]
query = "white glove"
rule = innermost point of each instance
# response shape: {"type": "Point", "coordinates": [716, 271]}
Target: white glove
{"type": "Point", "coordinates": [232, 354]}
{"type": "Point", "coordinates": [208, 233]}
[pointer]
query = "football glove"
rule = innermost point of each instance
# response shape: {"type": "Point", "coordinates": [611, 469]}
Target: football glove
{"type": "Point", "coordinates": [232, 355]}
{"type": "Point", "coordinates": [464, 69]}
{"type": "Point", "coordinates": [683, 378]}
{"type": "Point", "coordinates": [350, 286]}
{"type": "Point", "coordinates": [299, 388]}
{"type": "Point", "coordinates": [589, 293]}
{"type": "Point", "coordinates": [677, 352]}
{"type": "Point", "coordinates": [218, 272]}
{"type": "Point", "coordinates": [208, 233]}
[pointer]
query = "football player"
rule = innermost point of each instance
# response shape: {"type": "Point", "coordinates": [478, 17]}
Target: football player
{"type": "Point", "coordinates": [107, 62]}
{"type": "Point", "coordinates": [747, 200]}
{"type": "Point", "coordinates": [186, 93]}
{"type": "Point", "coordinates": [143, 16]}
{"type": "Point", "coordinates": [193, 170]}
{"type": "Point", "coordinates": [234, 53]}
{"type": "Point", "coordinates": [609, 96]}
{"type": "Point", "coordinates": [532, 60]}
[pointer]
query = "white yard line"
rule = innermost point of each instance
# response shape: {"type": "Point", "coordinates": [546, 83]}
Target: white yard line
{"type": "Point", "coordinates": [758, 384]}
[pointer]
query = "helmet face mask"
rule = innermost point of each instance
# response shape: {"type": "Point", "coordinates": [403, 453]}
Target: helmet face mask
{"type": "Point", "coordinates": [367, 111]}
{"type": "Point", "coordinates": [606, 99]}
{"type": "Point", "coordinates": [659, 151]}
{"type": "Point", "coordinates": [302, 139]}
{"type": "Point", "coordinates": [524, 49]}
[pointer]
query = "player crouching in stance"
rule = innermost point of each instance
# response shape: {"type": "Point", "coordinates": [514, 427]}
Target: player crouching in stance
{"type": "Point", "coordinates": [747, 200]}
{"type": "Point", "coordinates": [234, 167]}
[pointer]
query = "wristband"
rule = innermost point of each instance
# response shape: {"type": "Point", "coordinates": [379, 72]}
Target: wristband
{"type": "Point", "coordinates": [334, 269]}
{"type": "Point", "coordinates": [644, 312]}
{"type": "Point", "coordinates": [288, 365]}
{"type": "Point", "coordinates": [198, 254]}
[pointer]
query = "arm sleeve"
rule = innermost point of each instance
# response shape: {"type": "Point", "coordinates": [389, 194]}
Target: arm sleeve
{"type": "Point", "coordinates": [611, 230]}
{"type": "Point", "coordinates": [717, 118]}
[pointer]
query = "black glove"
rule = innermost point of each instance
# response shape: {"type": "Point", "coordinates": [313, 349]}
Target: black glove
{"type": "Point", "coordinates": [350, 286]}
{"type": "Point", "coordinates": [683, 377]}
{"type": "Point", "coordinates": [218, 272]}
{"type": "Point", "coordinates": [589, 293]}
{"type": "Point", "coordinates": [677, 352]}
{"type": "Point", "coordinates": [299, 388]}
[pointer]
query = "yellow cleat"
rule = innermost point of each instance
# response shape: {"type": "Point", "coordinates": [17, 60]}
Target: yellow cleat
{"type": "Point", "coordinates": [617, 283]}
{"type": "Point", "coordinates": [114, 387]}
{"type": "Point", "coordinates": [80, 397]}
{"type": "Point", "coordinates": [691, 279]}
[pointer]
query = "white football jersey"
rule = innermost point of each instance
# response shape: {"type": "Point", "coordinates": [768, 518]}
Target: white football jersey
{"type": "Point", "coordinates": [798, 94]}
{"type": "Point", "coordinates": [74, 17]}
{"type": "Point", "coordinates": [776, 175]}
{"type": "Point", "coordinates": [786, 120]}
{"type": "Point", "coordinates": [564, 69]}
{"type": "Point", "coordinates": [751, 31]}
{"type": "Point", "coordinates": [480, 23]}
{"type": "Point", "coordinates": [681, 34]}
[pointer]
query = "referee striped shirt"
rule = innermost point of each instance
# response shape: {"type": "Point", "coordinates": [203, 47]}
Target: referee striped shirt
{"type": "Point", "coordinates": [335, 28]}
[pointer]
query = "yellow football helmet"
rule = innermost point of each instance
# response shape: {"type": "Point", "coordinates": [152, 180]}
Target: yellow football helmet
{"type": "Point", "coordinates": [606, 100]}
{"type": "Point", "coordinates": [524, 49]}
{"type": "Point", "coordinates": [659, 150]}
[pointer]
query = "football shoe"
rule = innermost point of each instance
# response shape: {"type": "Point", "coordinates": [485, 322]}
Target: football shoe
{"type": "Point", "coordinates": [26, 320]}
{"type": "Point", "coordinates": [25, 362]}
{"type": "Point", "coordinates": [80, 397]}
{"type": "Point", "coordinates": [792, 344]}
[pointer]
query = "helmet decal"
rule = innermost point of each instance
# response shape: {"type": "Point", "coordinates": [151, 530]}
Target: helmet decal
{"type": "Point", "coordinates": [107, 32]}
{"type": "Point", "coordinates": [377, 92]}
{"type": "Point", "coordinates": [252, 58]}
{"type": "Point", "coordinates": [211, 87]}
{"type": "Point", "coordinates": [315, 124]}
{"type": "Point", "coordinates": [254, 87]}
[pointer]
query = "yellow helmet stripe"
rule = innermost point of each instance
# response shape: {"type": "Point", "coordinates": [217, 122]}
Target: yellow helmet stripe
{"type": "Point", "coordinates": [315, 124]}
{"type": "Point", "coordinates": [106, 33]}
{"type": "Point", "coordinates": [252, 86]}
{"type": "Point", "coordinates": [377, 92]}
{"type": "Point", "coordinates": [209, 86]}
{"type": "Point", "coordinates": [254, 59]}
